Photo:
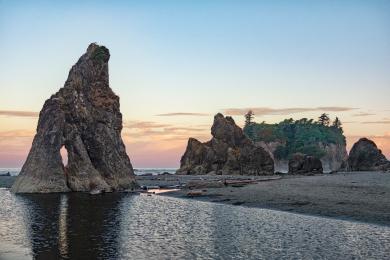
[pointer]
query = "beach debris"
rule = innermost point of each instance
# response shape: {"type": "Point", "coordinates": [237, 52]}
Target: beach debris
{"type": "Point", "coordinates": [194, 193]}
{"type": "Point", "coordinates": [200, 184]}
{"type": "Point", "coordinates": [95, 192]}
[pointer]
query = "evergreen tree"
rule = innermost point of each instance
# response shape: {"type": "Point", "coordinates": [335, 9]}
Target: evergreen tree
{"type": "Point", "coordinates": [249, 118]}
{"type": "Point", "coordinates": [324, 119]}
{"type": "Point", "coordinates": [337, 124]}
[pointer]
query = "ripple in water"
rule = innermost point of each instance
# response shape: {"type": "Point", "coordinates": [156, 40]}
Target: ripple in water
{"type": "Point", "coordinates": [124, 226]}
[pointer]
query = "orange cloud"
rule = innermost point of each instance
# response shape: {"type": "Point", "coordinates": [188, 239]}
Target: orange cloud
{"type": "Point", "coordinates": [363, 114]}
{"type": "Point", "coordinates": [14, 113]}
{"type": "Point", "coordinates": [377, 122]}
{"type": "Point", "coordinates": [159, 131]}
{"type": "Point", "coordinates": [283, 111]}
{"type": "Point", "coordinates": [155, 144]}
{"type": "Point", "coordinates": [183, 114]}
{"type": "Point", "coordinates": [143, 125]}
{"type": "Point", "coordinates": [14, 147]}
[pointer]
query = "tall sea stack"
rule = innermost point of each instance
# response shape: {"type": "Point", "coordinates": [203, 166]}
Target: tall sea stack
{"type": "Point", "coordinates": [83, 117]}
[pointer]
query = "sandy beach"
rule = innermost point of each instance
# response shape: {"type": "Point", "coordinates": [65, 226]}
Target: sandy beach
{"type": "Point", "coordinates": [361, 196]}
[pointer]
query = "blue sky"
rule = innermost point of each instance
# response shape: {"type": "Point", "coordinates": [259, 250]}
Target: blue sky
{"type": "Point", "coordinates": [205, 57]}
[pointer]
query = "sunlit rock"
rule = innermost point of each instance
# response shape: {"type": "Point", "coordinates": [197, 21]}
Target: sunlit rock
{"type": "Point", "coordinates": [84, 117]}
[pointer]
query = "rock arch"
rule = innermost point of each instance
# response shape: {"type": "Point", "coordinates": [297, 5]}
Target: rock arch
{"type": "Point", "coordinates": [83, 116]}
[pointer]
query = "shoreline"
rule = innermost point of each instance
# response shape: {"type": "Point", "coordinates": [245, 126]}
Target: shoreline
{"type": "Point", "coordinates": [355, 196]}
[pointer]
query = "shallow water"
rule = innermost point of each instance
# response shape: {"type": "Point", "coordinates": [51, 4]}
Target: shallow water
{"type": "Point", "coordinates": [125, 226]}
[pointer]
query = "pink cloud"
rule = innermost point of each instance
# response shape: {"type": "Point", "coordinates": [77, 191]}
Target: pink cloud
{"type": "Point", "coordinates": [15, 113]}
{"type": "Point", "coordinates": [284, 111]}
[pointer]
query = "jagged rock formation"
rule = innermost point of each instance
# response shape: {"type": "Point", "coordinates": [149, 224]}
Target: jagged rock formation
{"type": "Point", "coordinates": [365, 156]}
{"type": "Point", "coordinates": [84, 117]}
{"type": "Point", "coordinates": [229, 152]}
{"type": "Point", "coordinates": [304, 164]}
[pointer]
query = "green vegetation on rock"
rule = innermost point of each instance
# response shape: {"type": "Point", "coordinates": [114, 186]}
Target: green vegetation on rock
{"type": "Point", "coordinates": [100, 54]}
{"type": "Point", "coordinates": [298, 136]}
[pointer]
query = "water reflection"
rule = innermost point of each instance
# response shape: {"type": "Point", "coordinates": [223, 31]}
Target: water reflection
{"type": "Point", "coordinates": [62, 223]}
{"type": "Point", "coordinates": [68, 226]}
{"type": "Point", "coordinates": [123, 226]}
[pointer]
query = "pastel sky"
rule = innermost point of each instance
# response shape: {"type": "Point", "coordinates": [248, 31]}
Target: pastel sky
{"type": "Point", "coordinates": [175, 64]}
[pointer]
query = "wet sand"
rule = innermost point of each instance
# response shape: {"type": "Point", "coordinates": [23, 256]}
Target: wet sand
{"type": "Point", "coordinates": [361, 196]}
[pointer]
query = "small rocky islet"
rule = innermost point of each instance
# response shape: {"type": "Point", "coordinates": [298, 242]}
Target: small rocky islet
{"type": "Point", "coordinates": [365, 156]}
{"type": "Point", "coordinates": [84, 117]}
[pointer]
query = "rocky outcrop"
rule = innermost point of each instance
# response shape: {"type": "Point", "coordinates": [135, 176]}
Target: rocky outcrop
{"type": "Point", "coordinates": [84, 117]}
{"type": "Point", "coordinates": [280, 165]}
{"type": "Point", "coordinates": [335, 156]}
{"type": "Point", "coordinates": [229, 152]}
{"type": "Point", "coordinates": [365, 156]}
{"type": "Point", "coordinates": [304, 164]}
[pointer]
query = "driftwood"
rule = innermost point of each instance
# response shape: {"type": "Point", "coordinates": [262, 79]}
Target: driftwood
{"type": "Point", "coordinates": [236, 183]}
{"type": "Point", "coordinates": [194, 193]}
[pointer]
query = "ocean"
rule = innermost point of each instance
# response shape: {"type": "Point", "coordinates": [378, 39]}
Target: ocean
{"type": "Point", "coordinates": [137, 171]}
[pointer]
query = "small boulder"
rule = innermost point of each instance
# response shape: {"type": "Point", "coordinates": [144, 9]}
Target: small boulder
{"type": "Point", "coordinates": [304, 164]}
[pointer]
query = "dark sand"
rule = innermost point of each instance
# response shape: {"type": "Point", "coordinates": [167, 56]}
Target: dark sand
{"type": "Point", "coordinates": [361, 196]}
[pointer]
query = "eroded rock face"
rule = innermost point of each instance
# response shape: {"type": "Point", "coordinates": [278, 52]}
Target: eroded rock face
{"type": "Point", "coordinates": [84, 117]}
{"type": "Point", "coordinates": [304, 164]}
{"type": "Point", "coordinates": [229, 152]}
{"type": "Point", "coordinates": [365, 156]}
{"type": "Point", "coordinates": [334, 159]}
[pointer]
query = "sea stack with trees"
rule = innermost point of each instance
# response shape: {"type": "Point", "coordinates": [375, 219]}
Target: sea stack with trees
{"type": "Point", "coordinates": [83, 117]}
{"type": "Point", "coordinates": [319, 139]}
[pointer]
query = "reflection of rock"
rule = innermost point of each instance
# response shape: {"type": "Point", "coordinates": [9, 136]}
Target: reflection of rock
{"type": "Point", "coordinates": [60, 227]}
{"type": "Point", "coordinates": [365, 156]}
{"type": "Point", "coordinates": [304, 164]}
{"type": "Point", "coordinates": [228, 152]}
{"type": "Point", "coordinates": [84, 117]}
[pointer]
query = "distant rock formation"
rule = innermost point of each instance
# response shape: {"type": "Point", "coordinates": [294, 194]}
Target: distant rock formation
{"type": "Point", "coordinates": [334, 159]}
{"type": "Point", "coordinates": [365, 156]}
{"type": "Point", "coordinates": [304, 164]}
{"type": "Point", "coordinates": [283, 139]}
{"type": "Point", "coordinates": [229, 152]}
{"type": "Point", "coordinates": [84, 117]}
